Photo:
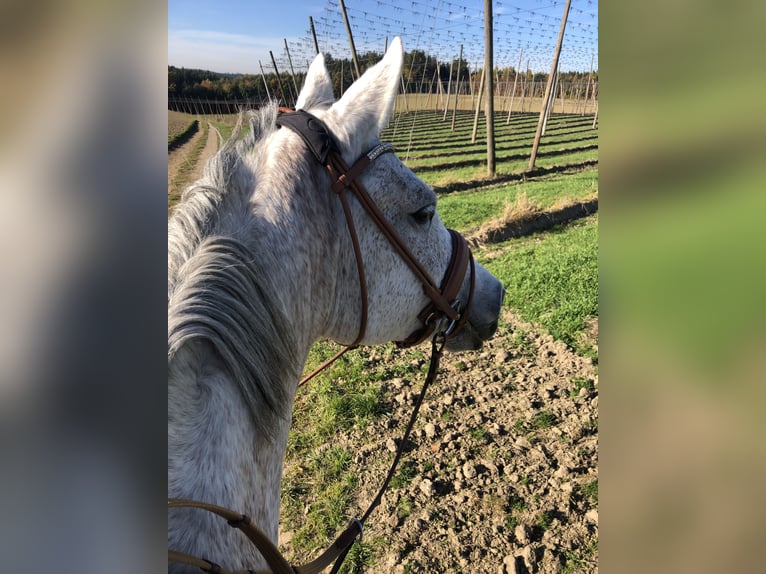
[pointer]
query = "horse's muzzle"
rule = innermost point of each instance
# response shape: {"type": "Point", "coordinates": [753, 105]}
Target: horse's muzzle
{"type": "Point", "coordinates": [483, 315]}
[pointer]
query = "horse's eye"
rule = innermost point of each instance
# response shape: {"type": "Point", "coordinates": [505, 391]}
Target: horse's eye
{"type": "Point", "coordinates": [424, 215]}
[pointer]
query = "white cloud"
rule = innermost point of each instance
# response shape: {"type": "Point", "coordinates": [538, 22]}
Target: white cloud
{"type": "Point", "coordinates": [221, 51]}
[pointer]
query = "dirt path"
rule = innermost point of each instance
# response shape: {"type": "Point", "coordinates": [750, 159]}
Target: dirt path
{"type": "Point", "coordinates": [181, 156]}
{"type": "Point", "coordinates": [503, 463]}
{"type": "Point", "coordinates": [211, 146]}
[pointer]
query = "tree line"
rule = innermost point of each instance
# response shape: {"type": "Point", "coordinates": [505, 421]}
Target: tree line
{"type": "Point", "coordinates": [419, 75]}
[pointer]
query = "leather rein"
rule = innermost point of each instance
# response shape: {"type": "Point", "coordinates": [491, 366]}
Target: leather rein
{"type": "Point", "coordinates": [444, 316]}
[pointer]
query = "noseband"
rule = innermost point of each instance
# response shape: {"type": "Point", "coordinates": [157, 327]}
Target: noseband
{"type": "Point", "coordinates": [445, 311]}
{"type": "Point", "coordinates": [445, 315]}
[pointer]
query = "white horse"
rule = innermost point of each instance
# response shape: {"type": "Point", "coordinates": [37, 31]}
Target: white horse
{"type": "Point", "coordinates": [260, 266]}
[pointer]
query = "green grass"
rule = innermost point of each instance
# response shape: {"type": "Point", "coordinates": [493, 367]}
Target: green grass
{"type": "Point", "coordinates": [516, 152]}
{"type": "Point", "coordinates": [225, 128]}
{"type": "Point", "coordinates": [579, 558]}
{"type": "Point", "coordinates": [590, 491]}
{"type": "Point", "coordinates": [467, 210]}
{"type": "Point", "coordinates": [360, 558]}
{"type": "Point", "coordinates": [404, 475]}
{"type": "Point", "coordinates": [552, 279]}
{"type": "Point", "coordinates": [544, 520]}
{"type": "Point", "coordinates": [517, 504]}
{"type": "Point", "coordinates": [579, 384]}
{"type": "Point", "coordinates": [478, 434]}
{"type": "Point", "coordinates": [331, 408]}
{"type": "Point", "coordinates": [347, 397]}
{"type": "Point", "coordinates": [440, 156]}
{"type": "Point", "coordinates": [686, 266]}
{"type": "Point", "coordinates": [543, 420]}
{"type": "Point", "coordinates": [225, 125]}
{"type": "Point", "coordinates": [404, 507]}
{"type": "Point", "coordinates": [178, 125]}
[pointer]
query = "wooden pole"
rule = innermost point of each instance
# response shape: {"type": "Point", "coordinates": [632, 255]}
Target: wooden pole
{"type": "Point", "coordinates": [404, 92]}
{"type": "Point", "coordinates": [478, 105]}
{"type": "Point", "coordinates": [408, 82]}
{"type": "Point", "coordinates": [593, 95]}
{"type": "Point", "coordinates": [507, 89]}
{"type": "Point", "coordinates": [439, 89]}
{"type": "Point", "coordinates": [563, 91]}
{"type": "Point", "coordinates": [577, 96]}
{"type": "Point", "coordinates": [524, 86]}
{"type": "Point", "coordinates": [489, 109]}
{"type": "Point", "coordinates": [590, 79]}
{"type": "Point", "coordinates": [268, 94]}
{"type": "Point", "coordinates": [430, 91]}
{"type": "Point", "coordinates": [422, 83]}
{"type": "Point", "coordinates": [554, 65]}
{"type": "Point", "coordinates": [513, 91]}
{"type": "Point", "coordinates": [314, 34]}
{"type": "Point", "coordinates": [292, 72]}
{"type": "Point", "coordinates": [449, 88]}
{"type": "Point", "coordinates": [457, 89]}
{"type": "Point", "coordinates": [587, 86]}
{"type": "Point", "coordinates": [551, 101]}
{"type": "Point", "coordinates": [595, 117]}
{"type": "Point", "coordinates": [350, 38]}
{"type": "Point", "coordinates": [279, 78]}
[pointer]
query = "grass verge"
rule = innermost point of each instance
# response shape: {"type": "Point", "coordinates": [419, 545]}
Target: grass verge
{"type": "Point", "coordinates": [321, 477]}
{"type": "Point", "coordinates": [184, 171]}
{"type": "Point", "coordinates": [552, 279]}
{"type": "Point", "coordinates": [465, 211]}
{"type": "Point", "coordinates": [178, 125]}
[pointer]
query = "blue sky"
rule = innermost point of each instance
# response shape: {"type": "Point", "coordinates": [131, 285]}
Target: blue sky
{"type": "Point", "coordinates": [234, 35]}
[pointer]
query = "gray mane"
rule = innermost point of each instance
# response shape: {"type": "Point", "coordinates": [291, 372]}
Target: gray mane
{"type": "Point", "coordinates": [222, 194]}
{"type": "Point", "coordinates": [219, 289]}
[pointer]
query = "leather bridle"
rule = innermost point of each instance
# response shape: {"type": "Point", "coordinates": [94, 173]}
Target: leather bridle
{"type": "Point", "coordinates": [444, 316]}
{"type": "Point", "coordinates": [444, 310]}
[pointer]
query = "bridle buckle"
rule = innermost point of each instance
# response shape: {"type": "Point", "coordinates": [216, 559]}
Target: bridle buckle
{"type": "Point", "coordinates": [457, 307]}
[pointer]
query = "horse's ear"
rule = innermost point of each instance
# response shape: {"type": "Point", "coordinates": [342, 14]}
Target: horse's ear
{"type": "Point", "coordinates": [366, 107]}
{"type": "Point", "coordinates": [317, 88]}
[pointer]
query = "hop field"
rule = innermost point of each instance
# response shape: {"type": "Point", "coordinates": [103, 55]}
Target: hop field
{"type": "Point", "coordinates": [502, 467]}
{"type": "Point", "coordinates": [474, 492]}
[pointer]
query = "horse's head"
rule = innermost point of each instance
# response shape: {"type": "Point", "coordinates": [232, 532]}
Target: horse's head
{"type": "Point", "coordinates": [395, 296]}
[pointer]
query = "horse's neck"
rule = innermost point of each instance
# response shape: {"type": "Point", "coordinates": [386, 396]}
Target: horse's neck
{"type": "Point", "coordinates": [295, 223]}
{"type": "Point", "coordinates": [216, 455]}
